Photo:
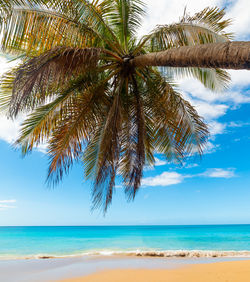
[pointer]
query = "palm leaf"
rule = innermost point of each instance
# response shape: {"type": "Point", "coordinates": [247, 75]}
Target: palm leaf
{"type": "Point", "coordinates": [40, 123]}
{"type": "Point", "coordinates": [66, 143]}
{"type": "Point", "coordinates": [6, 88]}
{"type": "Point", "coordinates": [204, 27]}
{"type": "Point", "coordinates": [213, 79]}
{"type": "Point", "coordinates": [95, 16]}
{"type": "Point", "coordinates": [47, 73]}
{"type": "Point", "coordinates": [134, 175]}
{"type": "Point", "coordinates": [108, 153]}
{"type": "Point", "coordinates": [212, 18]}
{"type": "Point", "coordinates": [125, 18]}
{"type": "Point", "coordinates": [33, 32]}
{"type": "Point", "coordinates": [179, 130]}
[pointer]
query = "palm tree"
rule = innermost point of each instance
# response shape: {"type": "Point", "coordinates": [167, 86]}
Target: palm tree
{"type": "Point", "coordinates": [92, 89]}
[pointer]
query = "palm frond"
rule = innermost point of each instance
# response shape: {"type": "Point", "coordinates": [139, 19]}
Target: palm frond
{"type": "Point", "coordinates": [186, 132]}
{"type": "Point", "coordinates": [137, 137]}
{"type": "Point", "coordinates": [95, 16]}
{"type": "Point", "coordinates": [204, 27]}
{"type": "Point", "coordinates": [179, 130]}
{"type": "Point", "coordinates": [6, 88]}
{"type": "Point", "coordinates": [33, 31]}
{"type": "Point", "coordinates": [134, 176]}
{"type": "Point", "coordinates": [213, 79]}
{"type": "Point", "coordinates": [84, 112]}
{"type": "Point", "coordinates": [39, 125]}
{"type": "Point", "coordinates": [213, 18]}
{"type": "Point", "coordinates": [125, 18]}
{"type": "Point", "coordinates": [48, 72]}
{"type": "Point", "coordinates": [7, 5]}
{"type": "Point", "coordinates": [108, 153]}
{"type": "Point", "coordinates": [90, 155]}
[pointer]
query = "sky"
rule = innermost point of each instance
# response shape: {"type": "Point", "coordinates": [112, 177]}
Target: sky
{"type": "Point", "coordinates": [214, 189]}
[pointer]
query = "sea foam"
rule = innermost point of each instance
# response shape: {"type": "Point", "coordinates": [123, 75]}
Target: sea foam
{"type": "Point", "coordinates": [140, 253]}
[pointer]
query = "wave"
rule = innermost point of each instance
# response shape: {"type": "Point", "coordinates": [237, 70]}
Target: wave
{"type": "Point", "coordinates": [176, 253]}
{"type": "Point", "coordinates": [140, 253]}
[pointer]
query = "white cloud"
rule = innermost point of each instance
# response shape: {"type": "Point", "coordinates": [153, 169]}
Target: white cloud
{"type": "Point", "coordinates": [43, 148]}
{"type": "Point", "coordinates": [219, 173]}
{"type": "Point", "coordinates": [239, 77]}
{"type": "Point", "coordinates": [172, 178]}
{"type": "Point", "coordinates": [7, 201]}
{"type": "Point", "coordinates": [205, 108]}
{"type": "Point", "coordinates": [164, 179]}
{"type": "Point", "coordinates": [216, 128]}
{"type": "Point", "coordinates": [9, 131]}
{"type": "Point", "coordinates": [211, 147]}
{"type": "Point", "coordinates": [210, 111]}
{"type": "Point", "coordinates": [208, 149]}
{"type": "Point", "coordinates": [190, 165]}
{"type": "Point", "coordinates": [238, 11]}
{"type": "Point", "coordinates": [4, 204]}
{"type": "Point", "coordinates": [159, 162]}
{"type": "Point", "coordinates": [236, 93]}
{"type": "Point", "coordinates": [9, 128]}
{"type": "Point", "coordinates": [238, 124]}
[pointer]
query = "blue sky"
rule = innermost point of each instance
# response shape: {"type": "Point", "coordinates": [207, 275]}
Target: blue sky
{"type": "Point", "coordinates": [214, 189]}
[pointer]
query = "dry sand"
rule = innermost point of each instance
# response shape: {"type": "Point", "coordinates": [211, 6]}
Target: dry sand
{"type": "Point", "coordinates": [233, 271]}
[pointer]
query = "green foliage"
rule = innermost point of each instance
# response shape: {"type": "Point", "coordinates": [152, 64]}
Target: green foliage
{"type": "Point", "coordinates": [82, 96]}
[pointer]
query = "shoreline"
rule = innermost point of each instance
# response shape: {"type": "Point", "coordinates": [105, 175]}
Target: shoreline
{"type": "Point", "coordinates": [137, 253]}
{"type": "Point", "coordinates": [57, 269]}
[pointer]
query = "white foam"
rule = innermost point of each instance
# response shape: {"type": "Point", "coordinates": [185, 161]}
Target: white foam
{"type": "Point", "coordinates": [141, 253]}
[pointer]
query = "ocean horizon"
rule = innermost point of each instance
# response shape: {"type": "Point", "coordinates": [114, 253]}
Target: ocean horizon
{"type": "Point", "coordinates": [17, 242]}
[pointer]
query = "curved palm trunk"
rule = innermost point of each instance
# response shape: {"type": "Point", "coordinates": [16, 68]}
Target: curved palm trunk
{"type": "Point", "coordinates": [226, 55]}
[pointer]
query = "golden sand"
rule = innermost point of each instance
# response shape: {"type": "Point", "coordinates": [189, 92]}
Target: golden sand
{"type": "Point", "coordinates": [233, 271]}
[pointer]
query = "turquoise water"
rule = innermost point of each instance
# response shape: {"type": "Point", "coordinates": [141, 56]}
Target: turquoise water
{"type": "Point", "coordinates": [70, 240]}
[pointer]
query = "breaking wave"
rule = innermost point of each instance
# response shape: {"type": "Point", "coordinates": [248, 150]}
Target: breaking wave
{"type": "Point", "coordinates": [140, 253]}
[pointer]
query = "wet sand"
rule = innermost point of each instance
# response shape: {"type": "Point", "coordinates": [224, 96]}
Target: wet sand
{"type": "Point", "coordinates": [230, 271]}
{"type": "Point", "coordinates": [41, 270]}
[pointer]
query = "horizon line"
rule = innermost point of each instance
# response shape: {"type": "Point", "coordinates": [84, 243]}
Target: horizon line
{"type": "Point", "coordinates": [124, 225]}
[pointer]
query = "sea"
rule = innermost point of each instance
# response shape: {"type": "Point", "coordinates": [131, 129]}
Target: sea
{"type": "Point", "coordinates": [163, 241]}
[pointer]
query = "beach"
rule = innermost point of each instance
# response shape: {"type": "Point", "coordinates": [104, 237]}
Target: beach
{"type": "Point", "coordinates": [115, 253]}
{"type": "Point", "coordinates": [124, 269]}
{"type": "Point", "coordinates": [233, 271]}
